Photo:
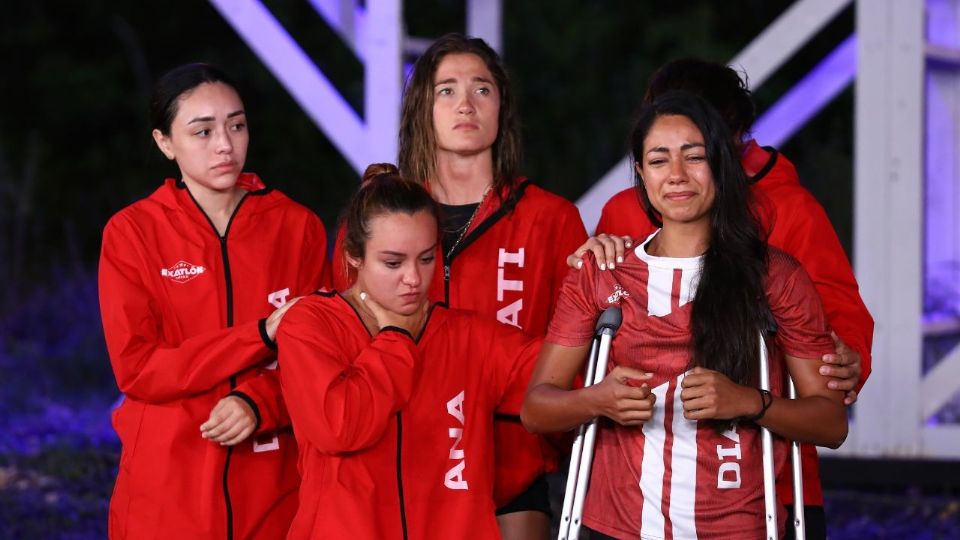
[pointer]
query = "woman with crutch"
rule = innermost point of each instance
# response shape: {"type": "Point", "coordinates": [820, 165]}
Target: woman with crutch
{"type": "Point", "coordinates": [680, 455]}
{"type": "Point", "coordinates": [794, 222]}
{"type": "Point", "coordinates": [393, 399]}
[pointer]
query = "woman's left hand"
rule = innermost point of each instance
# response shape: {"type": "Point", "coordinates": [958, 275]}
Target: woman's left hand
{"type": "Point", "coordinates": [843, 367]}
{"type": "Point", "coordinates": [608, 249]}
{"type": "Point", "coordinates": [231, 421]}
{"type": "Point", "coordinates": [710, 395]}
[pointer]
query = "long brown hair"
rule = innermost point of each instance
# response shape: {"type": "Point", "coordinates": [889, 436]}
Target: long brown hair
{"type": "Point", "coordinates": [418, 144]}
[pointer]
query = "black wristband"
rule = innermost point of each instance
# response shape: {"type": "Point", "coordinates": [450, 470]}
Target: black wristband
{"type": "Point", "coordinates": [766, 399]}
{"type": "Point", "coordinates": [253, 405]}
{"type": "Point", "coordinates": [262, 325]}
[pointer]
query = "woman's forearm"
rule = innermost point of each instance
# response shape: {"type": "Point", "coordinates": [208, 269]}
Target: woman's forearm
{"type": "Point", "coordinates": [817, 420]}
{"type": "Point", "coordinates": [550, 409]}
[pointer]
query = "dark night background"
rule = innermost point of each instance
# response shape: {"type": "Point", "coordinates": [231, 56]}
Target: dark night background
{"type": "Point", "coordinates": [75, 148]}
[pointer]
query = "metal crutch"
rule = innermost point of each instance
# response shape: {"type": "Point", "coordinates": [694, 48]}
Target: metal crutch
{"type": "Point", "coordinates": [581, 456]}
{"type": "Point", "coordinates": [799, 520]}
{"type": "Point", "coordinates": [769, 479]}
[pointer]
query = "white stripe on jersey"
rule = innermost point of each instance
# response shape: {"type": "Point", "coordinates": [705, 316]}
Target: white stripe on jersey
{"type": "Point", "coordinates": [652, 467]}
{"type": "Point", "coordinates": [659, 291]}
{"type": "Point", "coordinates": [689, 279]}
{"type": "Point", "coordinates": [683, 482]}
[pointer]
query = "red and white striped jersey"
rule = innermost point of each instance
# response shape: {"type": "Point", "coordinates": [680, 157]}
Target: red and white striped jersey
{"type": "Point", "coordinates": [672, 477]}
{"type": "Point", "coordinates": [796, 223]}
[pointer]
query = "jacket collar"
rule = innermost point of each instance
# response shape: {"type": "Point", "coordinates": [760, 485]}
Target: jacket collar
{"type": "Point", "coordinates": [493, 202]}
{"type": "Point", "coordinates": [174, 194]}
{"type": "Point", "coordinates": [757, 161]}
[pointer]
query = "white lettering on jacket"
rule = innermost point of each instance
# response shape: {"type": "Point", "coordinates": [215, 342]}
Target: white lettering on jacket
{"type": "Point", "coordinates": [509, 314]}
{"type": "Point", "coordinates": [454, 477]}
{"type": "Point", "coordinates": [278, 298]}
{"type": "Point", "coordinates": [182, 272]}
{"type": "Point", "coordinates": [728, 475]}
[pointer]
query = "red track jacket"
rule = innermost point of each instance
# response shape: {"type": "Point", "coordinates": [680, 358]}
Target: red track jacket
{"type": "Point", "coordinates": [396, 435]}
{"type": "Point", "coordinates": [796, 223]}
{"type": "Point", "coordinates": [183, 313]}
{"type": "Point", "coordinates": [509, 266]}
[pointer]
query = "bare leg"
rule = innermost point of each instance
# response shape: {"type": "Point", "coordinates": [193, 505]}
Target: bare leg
{"type": "Point", "coordinates": [529, 525]}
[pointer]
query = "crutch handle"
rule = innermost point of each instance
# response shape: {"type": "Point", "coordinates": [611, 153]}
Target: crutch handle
{"type": "Point", "coordinates": [609, 321]}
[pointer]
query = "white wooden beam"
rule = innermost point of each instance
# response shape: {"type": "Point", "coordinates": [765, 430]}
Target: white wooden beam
{"type": "Point", "coordinates": [383, 71]}
{"type": "Point", "coordinates": [484, 20]}
{"type": "Point", "coordinates": [941, 384]}
{"type": "Point", "coordinates": [888, 222]}
{"type": "Point", "coordinates": [315, 94]}
{"type": "Point", "coordinates": [779, 41]}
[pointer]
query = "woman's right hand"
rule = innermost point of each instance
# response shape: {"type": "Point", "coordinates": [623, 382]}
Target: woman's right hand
{"type": "Point", "coordinates": [411, 323]}
{"type": "Point", "coordinates": [608, 249]}
{"type": "Point", "coordinates": [622, 397]}
{"type": "Point", "coordinates": [273, 321]}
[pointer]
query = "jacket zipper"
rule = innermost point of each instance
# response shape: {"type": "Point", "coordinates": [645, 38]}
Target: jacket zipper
{"type": "Point", "coordinates": [403, 511]}
{"type": "Point", "coordinates": [233, 378]}
{"type": "Point", "coordinates": [446, 281]}
{"type": "Point", "coordinates": [476, 233]}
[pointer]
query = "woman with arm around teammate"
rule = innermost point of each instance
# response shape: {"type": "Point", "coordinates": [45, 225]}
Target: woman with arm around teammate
{"type": "Point", "coordinates": [193, 281]}
{"type": "Point", "coordinates": [683, 453]}
{"type": "Point", "coordinates": [393, 399]}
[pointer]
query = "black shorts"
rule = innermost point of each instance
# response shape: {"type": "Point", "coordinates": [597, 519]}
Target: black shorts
{"type": "Point", "coordinates": [815, 525]}
{"type": "Point", "coordinates": [534, 499]}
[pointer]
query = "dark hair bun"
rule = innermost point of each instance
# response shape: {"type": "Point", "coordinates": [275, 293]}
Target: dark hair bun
{"type": "Point", "coordinates": [378, 169]}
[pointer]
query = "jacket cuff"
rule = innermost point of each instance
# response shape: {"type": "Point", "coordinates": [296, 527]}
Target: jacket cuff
{"type": "Point", "coordinates": [403, 331]}
{"type": "Point", "coordinates": [253, 405]}
{"type": "Point", "coordinates": [262, 325]}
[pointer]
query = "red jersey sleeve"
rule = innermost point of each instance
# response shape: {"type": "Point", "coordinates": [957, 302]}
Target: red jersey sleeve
{"type": "Point", "coordinates": [802, 329]}
{"type": "Point", "coordinates": [805, 233]}
{"type": "Point", "coordinates": [572, 236]}
{"type": "Point", "coordinates": [577, 310]}
{"type": "Point", "coordinates": [146, 368]}
{"type": "Point", "coordinates": [337, 402]}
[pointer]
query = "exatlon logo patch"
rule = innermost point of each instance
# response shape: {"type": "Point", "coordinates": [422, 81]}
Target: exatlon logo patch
{"type": "Point", "coordinates": [182, 272]}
